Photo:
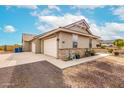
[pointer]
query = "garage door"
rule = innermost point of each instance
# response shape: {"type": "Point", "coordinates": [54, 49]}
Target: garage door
{"type": "Point", "coordinates": [50, 47]}
{"type": "Point", "coordinates": [33, 47]}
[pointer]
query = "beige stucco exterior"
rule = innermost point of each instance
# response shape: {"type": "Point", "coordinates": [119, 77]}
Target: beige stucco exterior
{"type": "Point", "coordinates": [94, 43]}
{"type": "Point", "coordinates": [26, 46]}
{"type": "Point", "coordinates": [26, 43]}
{"type": "Point", "coordinates": [36, 46]}
{"type": "Point", "coordinates": [65, 41]}
{"type": "Point", "coordinates": [41, 46]}
{"type": "Point", "coordinates": [83, 42]}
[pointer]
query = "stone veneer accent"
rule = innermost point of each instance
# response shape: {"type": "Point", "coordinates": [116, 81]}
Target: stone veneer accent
{"type": "Point", "coordinates": [64, 53]}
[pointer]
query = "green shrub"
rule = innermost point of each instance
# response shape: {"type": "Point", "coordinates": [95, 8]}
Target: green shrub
{"type": "Point", "coordinates": [92, 52]}
{"type": "Point", "coordinates": [119, 43]}
{"type": "Point", "coordinates": [110, 50]}
{"type": "Point", "coordinates": [66, 59]}
{"type": "Point", "coordinates": [103, 46]}
{"type": "Point", "coordinates": [87, 53]}
{"type": "Point", "coordinates": [77, 55]}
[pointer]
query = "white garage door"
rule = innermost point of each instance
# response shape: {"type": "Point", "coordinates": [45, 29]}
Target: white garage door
{"type": "Point", "coordinates": [50, 47]}
{"type": "Point", "coordinates": [33, 47]}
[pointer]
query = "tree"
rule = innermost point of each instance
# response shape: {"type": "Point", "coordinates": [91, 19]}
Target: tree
{"type": "Point", "coordinates": [119, 43]}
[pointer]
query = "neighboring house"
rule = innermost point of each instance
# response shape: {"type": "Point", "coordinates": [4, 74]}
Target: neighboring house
{"type": "Point", "coordinates": [63, 41]}
{"type": "Point", "coordinates": [26, 44]}
{"type": "Point", "coordinates": [107, 43]}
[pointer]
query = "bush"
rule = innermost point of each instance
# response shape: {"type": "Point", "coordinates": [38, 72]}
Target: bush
{"type": "Point", "coordinates": [103, 46]}
{"type": "Point", "coordinates": [93, 53]}
{"type": "Point", "coordinates": [110, 50]}
{"type": "Point", "coordinates": [77, 55]}
{"type": "Point", "coordinates": [116, 53]}
{"type": "Point", "coordinates": [67, 58]}
{"type": "Point", "coordinates": [87, 53]}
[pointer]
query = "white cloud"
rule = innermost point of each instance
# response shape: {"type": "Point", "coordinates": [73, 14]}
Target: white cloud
{"type": "Point", "coordinates": [88, 6]}
{"type": "Point", "coordinates": [54, 7]}
{"type": "Point", "coordinates": [61, 20]}
{"type": "Point", "coordinates": [46, 11]}
{"type": "Point", "coordinates": [52, 22]}
{"type": "Point", "coordinates": [108, 30]}
{"type": "Point", "coordinates": [33, 7]}
{"type": "Point", "coordinates": [115, 27]}
{"type": "Point", "coordinates": [28, 6]}
{"type": "Point", "coordinates": [119, 12]}
{"type": "Point", "coordinates": [9, 28]}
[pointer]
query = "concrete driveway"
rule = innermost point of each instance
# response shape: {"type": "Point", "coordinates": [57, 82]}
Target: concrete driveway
{"type": "Point", "coordinates": [13, 59]}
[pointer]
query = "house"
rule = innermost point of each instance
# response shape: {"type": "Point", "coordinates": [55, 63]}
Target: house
{"type": "Point", "coordinates": [63, 41]}
{"type": "Point", "coordinates": [26, 44]}
{"type": "Point", "coordinates": [107, 43]}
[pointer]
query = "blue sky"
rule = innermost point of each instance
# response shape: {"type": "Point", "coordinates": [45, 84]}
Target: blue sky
{"type": "Point", "coordinates": [105, 21]}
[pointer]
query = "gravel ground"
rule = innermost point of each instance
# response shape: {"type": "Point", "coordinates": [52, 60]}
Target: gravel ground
{"type": "Point", "coordinates": [99, 73]}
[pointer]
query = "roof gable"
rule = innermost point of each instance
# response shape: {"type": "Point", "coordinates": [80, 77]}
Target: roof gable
{"type": "Point", "coordinates": [27, 37]}
{"type": "Point", "coordinates": [81, 26]}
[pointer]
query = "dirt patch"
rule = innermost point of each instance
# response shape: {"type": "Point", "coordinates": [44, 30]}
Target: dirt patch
{"type": "Point", "coordinates": [99, 73]}
{"type": "Point", "coordinates": [104, 66]}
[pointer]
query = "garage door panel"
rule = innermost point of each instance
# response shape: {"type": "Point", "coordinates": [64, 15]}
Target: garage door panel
{"type": "Point", "coordinates": [50, 47]}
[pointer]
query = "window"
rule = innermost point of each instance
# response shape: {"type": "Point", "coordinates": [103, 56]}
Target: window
{"type": "Point", "coordinates": [75, 44]}
{"type": "Point", "coordinates": [75, 40]}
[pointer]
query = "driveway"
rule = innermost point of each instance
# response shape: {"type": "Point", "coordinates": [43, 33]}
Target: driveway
{"type": "Point", "coordinates": [13, 59]}
{"type": "Point", "coordinates": [33, 75]}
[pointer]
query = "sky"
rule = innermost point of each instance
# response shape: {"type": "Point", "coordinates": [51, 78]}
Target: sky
{"type": "Point", "coordinates": [105, 21]}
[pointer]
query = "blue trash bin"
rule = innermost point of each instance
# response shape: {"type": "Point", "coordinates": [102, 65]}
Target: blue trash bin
{"type": "Point", "coordinates": [20, 49]}
{"type": "Point", "coordinates": [16, 50]}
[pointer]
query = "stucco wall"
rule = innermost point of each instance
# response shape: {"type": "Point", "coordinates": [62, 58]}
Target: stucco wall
{"type": "Point", "coordinates": [42, 45]}
{"type": "Point", "coordinates": [26, 46]}
{"type": "Point", "coordinates": [83, 42]}
{"type": "Point", "coordinates": [94, 43]}
{"type": "Point", "coordinates": [65, 40]}
{"type": "Point", "coordinates": [37, 43]}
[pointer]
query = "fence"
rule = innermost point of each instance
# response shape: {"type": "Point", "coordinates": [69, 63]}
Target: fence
{"type": "Point", "coordinates": [9, 47]}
